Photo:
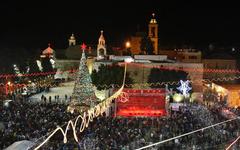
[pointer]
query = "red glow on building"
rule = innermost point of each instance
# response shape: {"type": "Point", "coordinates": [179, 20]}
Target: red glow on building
{"type": "Point", "coordinates": [144, 103]}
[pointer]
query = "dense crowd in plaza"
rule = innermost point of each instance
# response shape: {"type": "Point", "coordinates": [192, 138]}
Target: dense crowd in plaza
{"type": "Point", "coordinates": [124, 133]}
{"type": "Point", "coordinates": [31, 121]}
{"type": "Point", "coordinates": [131, 133]}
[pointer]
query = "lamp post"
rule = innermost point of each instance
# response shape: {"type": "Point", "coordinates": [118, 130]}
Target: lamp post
{"type": "Point", "coordinates": [128, 45]}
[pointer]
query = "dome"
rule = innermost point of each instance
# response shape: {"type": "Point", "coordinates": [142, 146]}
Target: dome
{"type": "Point", "coordinates": [48, 50]}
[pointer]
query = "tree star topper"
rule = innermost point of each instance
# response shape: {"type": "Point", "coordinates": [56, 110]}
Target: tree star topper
{"type": "Point", "coordinates": [83, 46]}
{"type": "Point", "coordinates": [184, 87]}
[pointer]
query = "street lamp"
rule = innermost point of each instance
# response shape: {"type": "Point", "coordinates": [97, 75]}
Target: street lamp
{"type": "Point", "coordinates": [128, 44]}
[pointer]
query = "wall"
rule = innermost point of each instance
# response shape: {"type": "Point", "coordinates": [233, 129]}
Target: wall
{"type": "Point", "coordinates": [140, 74]}
{"type": "Point", "coordinates": [191, 57]}
{"type": "Point", "coordinates": [219, 64]}
{"type": "Point", "coordinates": [135, 44]}
{"type": "Point", "coordinates": [183, 55]}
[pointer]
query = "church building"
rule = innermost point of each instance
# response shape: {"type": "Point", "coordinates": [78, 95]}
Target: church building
{"type": "Point", "coordinates": [152, 34]}
{"type": "Point", "coordinates": [48, 52]}
{"type": "Point", "coordinates": [101, 48]}
{"type": "Point", "coordinates": [68, 59]}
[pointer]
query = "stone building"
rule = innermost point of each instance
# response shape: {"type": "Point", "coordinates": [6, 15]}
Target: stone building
{"type": "Point", "coordinates": [216, 62]}
{"type": "Point", "coordinates": [183, 55]}
{"type": "Point", "coordinates": [68, 59]}
{"type": "Point", "coordinates": [152, 34]}
{"type": "Point", "coordinates": [140, 74]}
{"type": "Point", "coordinates": [48, 52]}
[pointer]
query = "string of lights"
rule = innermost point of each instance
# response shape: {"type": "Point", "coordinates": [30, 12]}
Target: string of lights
{"type": "Point", "coordinates": [130, 64]}
{"type": "Point", "coordinates": [228, 148]}
{"type": "Point", "coordinates": [103, 86]}
{"type": "Point", "coordinates": [86, 117]}
{"type": "Point", "coordinates": [199, 81]}
{"type": "Point", "coordinates": [186, 69]}
{"type": "Point", "coordinates": [136, 85]}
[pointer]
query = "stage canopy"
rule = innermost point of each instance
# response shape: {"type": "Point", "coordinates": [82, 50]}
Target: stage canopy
{"type": "Point", "coordinates": [142, 103]}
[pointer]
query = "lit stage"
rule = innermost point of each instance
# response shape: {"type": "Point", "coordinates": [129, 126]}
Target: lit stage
{"type": "Point", "coordinates": [142, 103]}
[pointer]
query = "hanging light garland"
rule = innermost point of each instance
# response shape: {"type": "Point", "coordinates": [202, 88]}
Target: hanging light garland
{"type": "Point", "coordinates": [198, 81]}
{"type": "Point", "coordinates": [229, 146]}
{"type": "Point", "coordinates": [186, 134]}
{"type": "Point", "coordinates": [130, 64]}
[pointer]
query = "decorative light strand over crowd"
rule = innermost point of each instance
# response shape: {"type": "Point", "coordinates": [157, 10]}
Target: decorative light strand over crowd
{"type": "Point", "coordinates": [86, 117]}
{"type": "Point", "coordinates": [199, 81]}
{"type": "Point", "coordinates": [228, 148]}
{"type": "Point", "coordinates": [104, 85]}
{"type": "Point", "coordinates": [185, 134]}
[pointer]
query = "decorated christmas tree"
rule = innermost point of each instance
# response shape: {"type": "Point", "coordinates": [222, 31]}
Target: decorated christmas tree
{"type": "Point", "coordinates": [83, 92]}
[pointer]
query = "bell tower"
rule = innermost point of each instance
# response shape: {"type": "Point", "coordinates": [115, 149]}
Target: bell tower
{"type": "Point", "coordinates": [72, 40]}
{"type": "Point", "coordinates": [153, 33]}
{"type": "Point", "coordinates": [101, 48]}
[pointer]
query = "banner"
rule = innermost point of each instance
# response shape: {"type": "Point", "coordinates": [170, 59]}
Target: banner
{"type": "Point", "coordinates": [142, 103]}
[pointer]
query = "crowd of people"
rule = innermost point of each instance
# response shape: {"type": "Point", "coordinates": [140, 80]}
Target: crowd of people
{"type": "Point", "coordinates": [132, 133]}
{"type": "Point", "coordinates": [55, 99]}
{"type": "Point", "coordinates": [110, 133]}
{"type": "Point", "coordinates": [30, 121]}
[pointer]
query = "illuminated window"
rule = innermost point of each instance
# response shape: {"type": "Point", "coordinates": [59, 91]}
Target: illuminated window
{"type": "Point", "coordinates": [192, 57]}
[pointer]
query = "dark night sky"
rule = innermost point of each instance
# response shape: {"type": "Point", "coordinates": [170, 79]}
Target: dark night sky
{"type": "Point", "coordinates": [33, 24]}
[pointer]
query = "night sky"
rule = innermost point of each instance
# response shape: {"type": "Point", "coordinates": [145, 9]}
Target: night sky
{"type": "Point", "coordinates": [33, 24]}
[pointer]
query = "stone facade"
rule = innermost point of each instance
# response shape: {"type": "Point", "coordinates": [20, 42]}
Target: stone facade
{"type": "Point", "coordinates": [135, 44]}
{"type": "Point", "coordinates": [153, 33]}
{"type": "Point", "coordinates": [217, 64]}
{"type": "Point", "coordinates": [140, 74]}
{"type": "Point", "coordinates": [183, 55]}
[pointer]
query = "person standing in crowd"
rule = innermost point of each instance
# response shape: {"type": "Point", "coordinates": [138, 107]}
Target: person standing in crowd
{"type": "Point", "coordinates": [66, 97]}
{"type": "Point", "coordinates": [50, 99]}
{"type": "Point", "coordinates": [45, 100]}
{"type": "Point", "coordinates": [42, 97]}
